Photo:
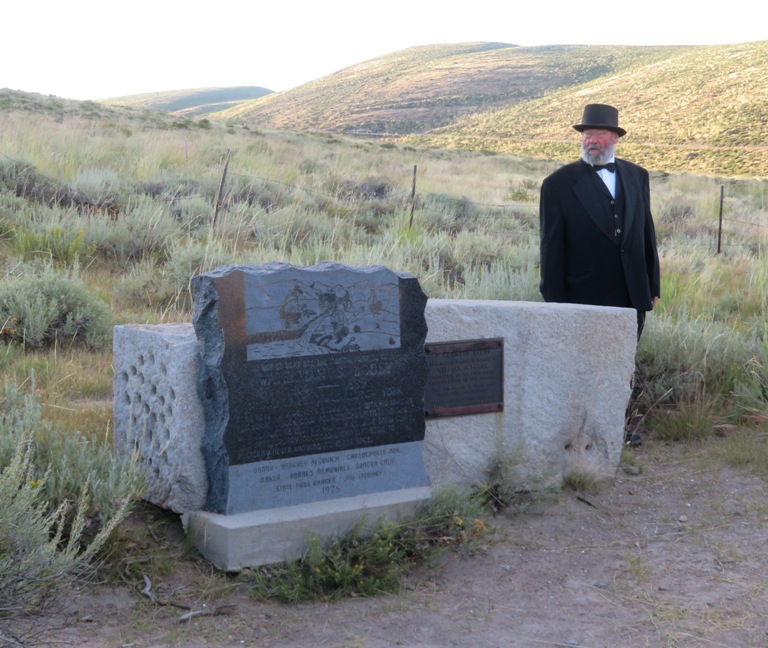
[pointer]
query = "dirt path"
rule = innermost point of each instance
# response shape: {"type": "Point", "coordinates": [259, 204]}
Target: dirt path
{"type": "Point", "coordinates": [673, 554]}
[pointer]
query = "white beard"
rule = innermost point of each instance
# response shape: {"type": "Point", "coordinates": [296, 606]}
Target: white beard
{"type": "Point", "coordinates": [606, 156]}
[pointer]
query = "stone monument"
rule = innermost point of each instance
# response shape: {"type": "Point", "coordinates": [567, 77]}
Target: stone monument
{"type": "Point", "coordinates": [294, 406]}
{"type": "Point", "coordinates": [311, 382]}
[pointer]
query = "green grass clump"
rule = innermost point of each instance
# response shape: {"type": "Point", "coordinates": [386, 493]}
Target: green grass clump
{"type": "Point", "coordinates": [744, 448]}
{"type": "Point", "coordinates": [581, 482]}
{"type": "Point", "coordinates": [370, 561]}
{"type": "Point", "coordinates": [66, 247]}
{"type": "Point", "coordinates": [693, 422]}
{"type": "Point", "coordinates": [682, 360]}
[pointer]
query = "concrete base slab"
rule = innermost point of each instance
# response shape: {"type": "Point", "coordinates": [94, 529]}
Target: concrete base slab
{"type": "Point", "coordinates": [232, 542]}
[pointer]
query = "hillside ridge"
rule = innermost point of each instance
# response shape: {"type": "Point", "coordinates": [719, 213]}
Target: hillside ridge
{"type": "Point", "coordinates": [190, 102]}
{"type": "Point", "coordinates": [691, 109]}
{"type": "Point", "coordinates": [694, 108]}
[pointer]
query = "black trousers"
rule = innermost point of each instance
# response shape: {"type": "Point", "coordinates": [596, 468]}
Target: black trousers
{"type": "Point", "coordinates": [640, 323]}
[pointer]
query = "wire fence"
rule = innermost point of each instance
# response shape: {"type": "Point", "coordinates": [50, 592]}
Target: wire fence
{"type": "Point", "coordinates": [730, 230]}
{"type": "Point", "coordinates": [724, 239]}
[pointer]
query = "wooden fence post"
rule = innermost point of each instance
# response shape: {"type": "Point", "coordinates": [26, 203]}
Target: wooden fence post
{"type": "Point", "coordinates": [413, 197]}
{"type": "Point", "coordinates": [720, 226]}
{"type": "Point", "coordinates": [220, 192]}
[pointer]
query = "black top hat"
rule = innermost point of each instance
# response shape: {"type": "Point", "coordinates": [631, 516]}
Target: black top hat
{"type": "Point", "coordinates": [600, 116]}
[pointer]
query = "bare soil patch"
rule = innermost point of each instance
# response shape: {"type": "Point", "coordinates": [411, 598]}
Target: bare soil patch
{"type": "Point", "coordinates": [673, 553]}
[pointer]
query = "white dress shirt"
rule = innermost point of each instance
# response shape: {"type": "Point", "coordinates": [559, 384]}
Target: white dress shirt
{"type": "Point", "coordinates": [609, 179]}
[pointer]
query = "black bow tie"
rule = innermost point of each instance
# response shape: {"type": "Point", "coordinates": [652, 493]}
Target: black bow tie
{"type": "Point", "coordinates": [611, 166]}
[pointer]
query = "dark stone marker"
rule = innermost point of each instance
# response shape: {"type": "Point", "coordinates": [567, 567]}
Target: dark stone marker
{"type": "Point", "coordinates": [312, 383]}
{"type": "Point", "coordinates": [465, 377]}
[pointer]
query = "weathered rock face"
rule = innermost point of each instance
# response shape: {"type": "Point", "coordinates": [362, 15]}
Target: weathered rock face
{"type": "Point", "coordinates": [157, 413]}
{"type": "Point", "coordinates": [567, 382]}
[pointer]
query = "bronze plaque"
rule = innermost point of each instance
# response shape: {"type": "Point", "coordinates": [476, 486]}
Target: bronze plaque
{"type": "Point", "coordinates": [465, 377]}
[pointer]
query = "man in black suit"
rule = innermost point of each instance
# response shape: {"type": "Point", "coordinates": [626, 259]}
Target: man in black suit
{"type": "Point", "coordinates": [598, 242]}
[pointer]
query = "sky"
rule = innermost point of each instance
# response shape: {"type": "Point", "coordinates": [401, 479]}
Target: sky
{"type": "Point", "coordinates": [97, 49]}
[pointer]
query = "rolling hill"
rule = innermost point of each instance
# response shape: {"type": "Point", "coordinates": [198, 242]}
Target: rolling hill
{"type": "Point", "coordinates": [190, 103]}
{"type": "Point", "coordinates": [423, 88]}
{"type": "Point", "coordinates": [696, 109]}
{"type": "Point", "coordinates": [702, 109]}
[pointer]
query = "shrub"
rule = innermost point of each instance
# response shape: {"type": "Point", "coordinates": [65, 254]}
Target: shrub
{"type": "Point", "coordinates": [502, 279]}
{"type": "Point", "coordinates": [361, 563]}
{"type": "Point", "coordinates": [41, 307]}
{"type": "Point", "coordinates": [167, 286]}
{"type": "Point", "coordinates": [64, 462]}
{"type": "Point", "coordinates": [443, 212]}
{"type": "Point", "coordinates": [143, 230]}
{"type": "Point", "coordinates": [33, 557]}
{"type": "Point", "coordinates": [525, 191]}
{"type": "Point", "coordinates": [267, 194]}
{"type": "Point", "coordinates": [478, 249]}
{"type": "Point", "coordinates": [143, 285]}
{"type": "Point", "coordinates": [97, 191]}
{"type": "Point", "coordinates": [192, 212]}
{"type": "Point", "coordinates": [46, 543]}
{"type": "Point", "coordinates": [22, 179]}
{"type": "Point", "coordinates": [40, 551]}
{"type": "Point", "coordinates": [370, 561]}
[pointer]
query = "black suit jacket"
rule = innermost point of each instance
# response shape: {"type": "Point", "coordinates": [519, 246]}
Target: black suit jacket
{"type": "Point", "coordinates": [582, 260]}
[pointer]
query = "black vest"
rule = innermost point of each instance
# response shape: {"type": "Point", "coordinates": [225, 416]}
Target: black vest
{"type": "Point", "coordinates": [613, 213]}
{"type": "Point", "coordinates": [612, 208]}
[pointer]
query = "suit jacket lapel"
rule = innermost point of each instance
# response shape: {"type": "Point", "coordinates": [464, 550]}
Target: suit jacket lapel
{"type": "Point", "coordinates": [631, 191]}
{"type": "Point", "coordinates": [587, 192]}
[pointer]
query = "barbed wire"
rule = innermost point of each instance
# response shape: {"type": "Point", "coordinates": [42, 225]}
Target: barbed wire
{"type": "Point", "coordinates": [347, 195]}
{"type": "Point", "coordinates": [751, 224]}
